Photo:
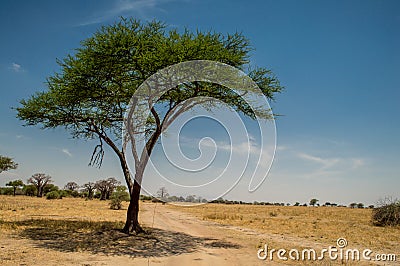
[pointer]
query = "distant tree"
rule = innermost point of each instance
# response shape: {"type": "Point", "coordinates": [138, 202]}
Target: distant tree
{"type": "Point", "coordinates": [106, 187]}
{"type": "Point", "coordinates": [313, 202]}
{"type": "Point", "coordinates": [40, 180]}
{"type": "Point", "coordinates": [173, 199]}
{"type": "Point", "coordinates": [29, 190]}
{"type": "Point", "coordinates": [120, 194]}
{"type": "Point", "coordinates": [191, 198]}
{"type": "Point", "coordinates": [371, 206]}
{"type": "Point", "coordinates": [297, 203]}
{"type": "Point", "coordinates": [72, 186]}
{"type": "Point", "coordinates": [50, 188]}
{"type": "Point", "coordinates": [327, 204]}
{"type": "Point", "coordinates": [15, 184]}
{"type": "Point", "coordinates": [360, 205]}
{"type": "Point", "coordinates": [89, 188]}
{"type": "Point", "coordinates": [7, 163]}
{"type": "Point", "coordinates": [162, 193]}
{"type": "Point", "coordinates": [353, 205]}
{"type": "Point", "coordinates": [6, 191]}
{"type": "Point", "coordinates": [53, 195]}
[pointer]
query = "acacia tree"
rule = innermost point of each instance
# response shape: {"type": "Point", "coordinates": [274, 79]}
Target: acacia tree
{"type": "Point", "coordinates": [15, 184]}
{"type": "Point", "coordinates": [40, 181]}
{"type": "Point", "coordinates": [313, 202]}
{"type": "Point", "coordinates": [91, 93]}
{"type": "Point", "coordinates": [7, 163]}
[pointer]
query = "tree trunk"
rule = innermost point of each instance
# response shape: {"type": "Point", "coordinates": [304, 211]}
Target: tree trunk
{"type": "Point", "coordinates": [132, 222]}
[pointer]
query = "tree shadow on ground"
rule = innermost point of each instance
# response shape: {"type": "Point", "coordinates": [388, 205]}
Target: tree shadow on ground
{"type": "Point", "coordinates": [103, 238]}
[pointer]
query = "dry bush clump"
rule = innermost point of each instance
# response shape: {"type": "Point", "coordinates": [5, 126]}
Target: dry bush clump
{"type": "Point", "coordinates": [387, 214]}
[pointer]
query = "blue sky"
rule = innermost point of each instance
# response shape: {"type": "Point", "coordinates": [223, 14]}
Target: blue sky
{"type": "Point", "coordinates": [338, 60]}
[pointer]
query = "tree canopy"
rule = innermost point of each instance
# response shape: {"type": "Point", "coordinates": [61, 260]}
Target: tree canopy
{"type": "Point", "coordinates": [15, 184]}
{"type": "Point", "coordinates": [7, 163]}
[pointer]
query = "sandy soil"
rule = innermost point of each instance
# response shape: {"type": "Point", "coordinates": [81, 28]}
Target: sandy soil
{"type": "Point", "coordinates": [176, 239]}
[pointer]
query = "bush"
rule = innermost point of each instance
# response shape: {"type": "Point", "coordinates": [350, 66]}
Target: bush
{"type": "Point", "coordinates": [117, 197]}
{"type": "Point", "coordinates": [387, 214]}
{"type": "Point", "coordinates": [53, 195]}
{"type": "Point", "coordinates": [6, 191]}
{"type": "Point", "coordinates": [29, 190]}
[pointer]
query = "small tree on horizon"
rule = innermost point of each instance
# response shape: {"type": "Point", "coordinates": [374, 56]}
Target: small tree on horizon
{"type": "Point", "coordinates": [353, 205]}
{"type": "Point", "coordinates": [40, 180]}
{"type": "Point", "coordinates": [106, 187]}
{"type": "Point", "coordinates": [162, 193]}
{"type": "Point", "coordinates": [72, 186]}
{"type": "Point", "coordinates": [89, 187]}
{"type": "Point", "coordinates": [15, 184]}
{"type": "Point", "coordinates": [313, 202]}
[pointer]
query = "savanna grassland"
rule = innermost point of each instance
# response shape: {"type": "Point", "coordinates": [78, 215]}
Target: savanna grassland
{"type": "Point", "coordinates": [75, 231]}
{"type": "Point", "coordinates": [317, 224]}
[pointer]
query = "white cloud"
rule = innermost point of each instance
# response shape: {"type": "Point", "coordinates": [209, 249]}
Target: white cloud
{"type": "Point", "coordinates": [21, 137]}
{"type": "Point", "coordinates": [16, 67]}
{"type": "Point", "coordinates": [123, 7]}
{"type": "Point", "coordinates": [325, 162]}
{"type": "Point", "coordinates": [66, 151]}
{"type": "Point", "coordinates": [357, 163]}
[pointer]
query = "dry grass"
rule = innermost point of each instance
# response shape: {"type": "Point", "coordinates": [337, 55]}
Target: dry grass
{"type": "Point", "coordinates": [78, 225]}
{"type": "Point", "coordinates": [22, 208]}
{"type": "Point", "coordinates": [75, 225]}
{"type": "Point", "coordinates": [323, 225]}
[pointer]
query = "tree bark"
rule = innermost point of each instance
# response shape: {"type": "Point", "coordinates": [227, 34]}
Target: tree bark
{"type": "Point", "coordinates": [132, 222]}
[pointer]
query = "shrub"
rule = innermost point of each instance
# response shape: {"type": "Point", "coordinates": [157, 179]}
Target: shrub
{"type": "Point", "coordinates": [6, 191]}
{"type": "Point", "coordinates": [52, 195]}
{"type": "Point", "coordinates": [387, 214]}
{"type": "Point", "coordinates": [117, 197]}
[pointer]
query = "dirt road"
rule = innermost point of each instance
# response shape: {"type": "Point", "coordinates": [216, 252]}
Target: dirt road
{"type": "Point", "coordinates": [221, 246]}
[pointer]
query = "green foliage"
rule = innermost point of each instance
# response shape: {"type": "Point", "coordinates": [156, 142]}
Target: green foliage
{"type": "Point", "coordinates": [117, 197]}
{"type": "Point", "coordinates": [313, 202]}
{"type": "Point", "coordinates": [29, 190]}
{"type": "Point", "coordinates": [15, 184]}
{"type": "Point", "coordinates": [7, 163]}
{"type": "Point", "coordinates": [49, 188]}
{"type": "Point", "coordinates": [90, 95]}
{"type": "Point", "coordinates": [144, 197]}
{"type": "Point", "coordinates": [387, 214]}
{"type": "Point", "coordinates": [53, 195]}
{"type": "Point", "coordinates": [6, 191]}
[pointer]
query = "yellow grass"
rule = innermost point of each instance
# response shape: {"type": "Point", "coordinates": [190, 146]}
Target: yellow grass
{"type": "Point", "coordinates": [318, 224]}
{"type": "Point", "coordinates": [77, 224]}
